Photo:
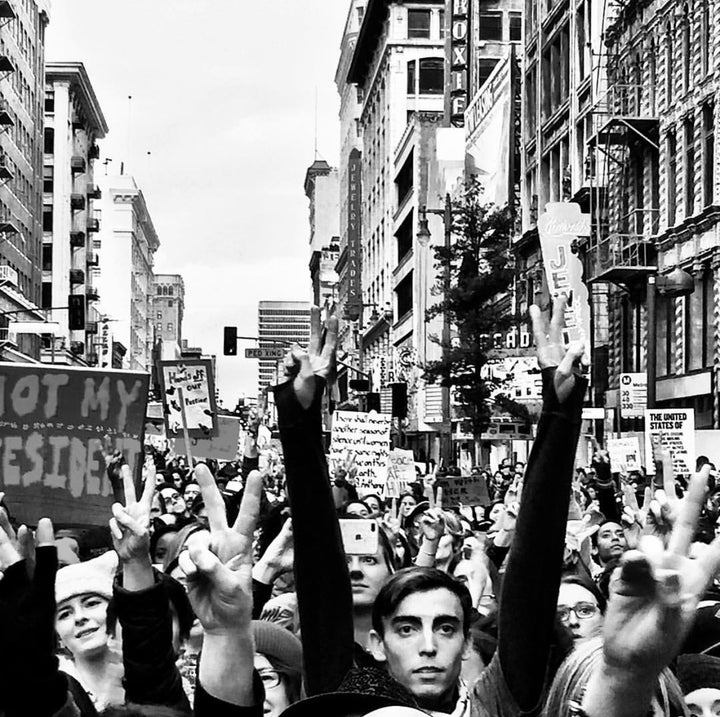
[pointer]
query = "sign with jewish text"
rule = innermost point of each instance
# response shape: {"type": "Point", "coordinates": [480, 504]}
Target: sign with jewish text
{"type": "Point", "coordinates": [624, 454]}
{"type": "Point", "coordinates": [402, 472]}
{"type": "Point", "coordinates": [53, 424]}
{"type": "Point", "coordinates": [673, 428]}
{"type": "Point", "coordinates": [223, 447]}
{"type": "Point", "coordinates": [559, 227]}
{"type": "Point", "coordinates": [464, 490]}
{"type": "Point", "coordinates": [188, 387]}
{"type": "Point", "coordinates": [365, 437]}
{"type": "Point", "coordinates": [633, 395]}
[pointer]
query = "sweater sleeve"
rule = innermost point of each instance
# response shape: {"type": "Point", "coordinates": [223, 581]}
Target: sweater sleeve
{"type": "Point", "coordinates": [208, 706]}
{"type": "Point", "coordinates": [605, 487]}
{"type": "Point", "coordinates": [151, 676]}
{"type": "Point", "coordinates": [322, 581]}
{"type": "Point", "coordinates": [532, 577]}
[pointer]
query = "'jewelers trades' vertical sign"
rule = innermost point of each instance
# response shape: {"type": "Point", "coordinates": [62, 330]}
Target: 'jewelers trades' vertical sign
{"type": "Point", "coordinates": [561, 225]}
{"type": "Point", "coordinates": [56, 425]}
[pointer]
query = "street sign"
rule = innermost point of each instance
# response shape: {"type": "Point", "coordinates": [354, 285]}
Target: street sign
{"type": "Point", "coordinates": [267, 353]}
{"type": "Point", "coordinates": [633, 395]}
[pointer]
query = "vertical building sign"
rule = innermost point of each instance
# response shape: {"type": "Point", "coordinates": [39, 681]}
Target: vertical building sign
{"type": "Point", "coordinates": [459, 25]}
{"type": "Point", "coordinates": [353, 305]}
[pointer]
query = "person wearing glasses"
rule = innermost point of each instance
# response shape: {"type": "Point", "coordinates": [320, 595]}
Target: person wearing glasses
{"type": "Point", "coordinates": [579, 609]}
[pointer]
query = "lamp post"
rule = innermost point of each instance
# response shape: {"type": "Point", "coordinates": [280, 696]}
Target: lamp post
{"type": "Point", "coordinates": [675, 284]}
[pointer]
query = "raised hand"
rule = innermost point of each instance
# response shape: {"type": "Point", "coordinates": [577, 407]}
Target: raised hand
{"type": "Point", "coordinates": [432, 524]}
{"type": "Point", "coordinates": [551, 349]}
{"type": "Point", "coordinates": [220, 589]}
{"type": "Point", "coordinates": [278, 559]}
{"type": "Point", "coordinates": [130, 524]}
{"type": "Point", "coordinates": [302, 366]}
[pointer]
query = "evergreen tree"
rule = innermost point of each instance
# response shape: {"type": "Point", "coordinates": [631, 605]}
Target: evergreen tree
{"type": "Point", "coordinates": [477, 304]}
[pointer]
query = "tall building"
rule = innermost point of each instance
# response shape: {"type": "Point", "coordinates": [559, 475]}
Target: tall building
{"type": "Point", "coordinates": [125, 282]}
{"type": "Point", "coordinates": [168, 307]}
{"type": "Point", "coordinates": [654, 147]}
{"type": "Point", "coordinates": [398, 70]}
{"type": "Point", "coordinates": [22, 57]}
{"type": "Point", "coordinates": [349, 263]}
{"type": "Point", "coordinates": [73, 123]}
{"type": "Point", "coordinates": [321, 188]}
{"type": "Point", "coordinates": [280, 325]}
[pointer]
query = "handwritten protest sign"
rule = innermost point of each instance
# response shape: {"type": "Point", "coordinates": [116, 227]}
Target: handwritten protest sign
{"type": "Point", "coordinates": [366, 436]}
{"type": "Point", "coordinates": [52, 426]}
{"type": "Point", "coordinates": [464, 490]}
{"type": "Point", "coordinates": [401, 472]}
{"type": "Point", "coordinates": [674, 428]}
{"type": "Point", "coordinates": [188, 387]}
{"type": "Point", "coordinates": [624, 454]}
{"type": "Point", "coordinates": [223, 447]}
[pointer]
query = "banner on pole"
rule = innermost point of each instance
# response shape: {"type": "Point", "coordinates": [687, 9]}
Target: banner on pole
{"type": "Point", "coordinates": [53, 427]}
{"type": "Point", "coordinates": [193, 379]}
{"type": "Point", "coordinates": [365, 437]}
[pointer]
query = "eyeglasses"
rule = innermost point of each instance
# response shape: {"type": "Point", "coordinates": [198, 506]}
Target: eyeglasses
{"type": "Point", "coordinates": [269, 678]}
{"type": "Point", "coordinates": [583, 611]}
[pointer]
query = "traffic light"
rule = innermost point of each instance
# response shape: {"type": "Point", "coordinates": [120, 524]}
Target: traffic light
{"type": "Point", "coordinates": [76, 312]}
{"type": "Point", "coordinates": [399, 399]}
{"type": "Point", "coordinates": [230, 341]}
{"type": "Point", "coordinates": [373, 401]}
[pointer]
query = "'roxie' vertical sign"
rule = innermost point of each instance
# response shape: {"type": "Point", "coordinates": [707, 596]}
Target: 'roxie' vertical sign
{"type": "Point", "coordinates": [560, 225]}
{"type": "Point", "coordinates": [458, 62]}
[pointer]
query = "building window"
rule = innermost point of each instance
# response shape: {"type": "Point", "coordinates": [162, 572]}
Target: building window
{"type": "Point", "coordinates": [432, 76]}
{"type": "Point", "coordinates": [708, 119]}
{"type": "Point", "coordinates": [48, 176]}
{"type": "Point", "coordinates": [490, 26]}
{"type": "Point", "coordinates": [671, 176]}
{"type": "Point", "coordinates": [404, 237]}
{"type": "Point", "coordinates": [404, 180]}
{"type": "Point", "coordinates": [46, 295]}
{"type": "Point", "coordinates": [404, 293]}
{"type": "Point", "coordinates": [170, 291]}
{"type": "Point", "coordinates": [516, 26]}
{"type": "Point", "coordinates": [705, 38]}
{"type": "Point", "coordinates": [441, 19]}
{"type": "Point", "coordinates": [689, 139]}
{"type": "Point", "coordinates": [419, 24]}
{"type": "Point", "coordinates": [687, 49]}
{"type": "Point", "coordinates": [159, 314]}
{"type": "Point", "coordinates": [47, 219]}
{"type": "Point", "coordinates": [556, 72]}
{"type": "Point", "coordinates": [652, 75]}
{"type": "Point", "coordinates": [708, 289]}
{"type": "Point", "coordinates": [669, 65]}
{"type": "Point", "coordinates": [50, 101]}
{"type": "Point", "coordinates": [485, 67]}
{"type": "Point", "coordinates": [170, 327]}
{"type": "Point", "coordinates": [47, 257]}
{"type": "Point", "coordinates": [49, 141]}
{"type": "Point", "coordinates": [665, 347]}
{"type": "Point", "coordinates": [411, 77]}
{"type": "Point", "coordinates": [360, 15]}
{"type": "Point", "coordinates": [170, 303]}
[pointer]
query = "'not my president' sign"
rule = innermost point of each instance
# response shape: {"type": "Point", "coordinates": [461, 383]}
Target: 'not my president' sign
{"type": "Point", "coordinates": [54, 424]}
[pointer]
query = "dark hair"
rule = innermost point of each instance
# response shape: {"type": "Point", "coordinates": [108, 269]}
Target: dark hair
{"type": "Point", "coordinates": [161, 528]}
{"type": "Point", "coordinates": [291, 679]}
{"type": "Point", "coordinates": [130, 710]}
{"type": "Point", "coordinates": [417, 580]}
{"type": "Point", "coordinates": [381, 502]}
{"type": "Point", "coordinates": [589, 586]}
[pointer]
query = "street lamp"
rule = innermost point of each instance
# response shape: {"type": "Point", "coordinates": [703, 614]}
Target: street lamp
{"type": "Point", "coordinates": [675, 284]}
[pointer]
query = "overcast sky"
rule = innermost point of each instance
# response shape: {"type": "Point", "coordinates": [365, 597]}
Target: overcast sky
{"type": "Point", "coordinates": [223, 99]}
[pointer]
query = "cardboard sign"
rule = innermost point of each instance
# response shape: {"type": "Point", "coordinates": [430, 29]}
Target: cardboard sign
{"type": "Point", "coordinates": [53, 421]}
{"type": "Point", "coordinates": [366, 436]}
{"type": "Point", "coordinates": [401, 472]}
{"type": "Point", "coordinates": [193, 380]}
{"type": "Point", "coordinates": [464, 490]}
{"type": "Point", "coordinates": [223, 447]}
{"type": "Point", "coordinates": [561, 225]}
{"type": "Point", "coordinates": [675, 429]}
{"type": "Point", "coordinates": [624, 454]}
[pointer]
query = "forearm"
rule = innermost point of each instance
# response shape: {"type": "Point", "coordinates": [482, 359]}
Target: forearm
{"type": "Point", "coordinates": [138, 574]}
{"type": "Point", "coordinates": [228, 654]}
{"type": "Point", "coordinates": [606, 493]}
{"type": "Point", "coordinates": [618, 693]}
{"type": "Point", "coordinates": [426, 556]}
{"type": "Point", "coordinates": [322, 581]}
{"type": "Point", "coordinates": [532, 576]}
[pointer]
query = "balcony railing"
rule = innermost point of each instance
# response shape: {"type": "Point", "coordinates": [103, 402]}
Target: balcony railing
{"type": "Point", "coordinates": [92, 259]}
{"type": "Point", "coordinates": [77, 164]}
{"type": "Point", "coordinates": [77, 201]}
{"type": "Point", "coordinates": [7, 273]}
{"type": "Point", "coordinates": [93, 225]}
{"type": "Point", "coordinates": [6, 118]}
{"type": "Point", "coordinates": [6, 172]}
{"type": "Point", "coordinates": [77, 276]}
{"type": "Point", "coordinates": [77, 240]}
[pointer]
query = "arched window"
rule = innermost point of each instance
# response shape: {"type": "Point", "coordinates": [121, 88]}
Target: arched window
{"type": "Point", "coordinates": [170, 290]}
{"type": "Point", "coordinates": [705, 38]}
{"type": "Point", "coordinates": [687, 49]}
{"type": "Point", "coordinates": [669, 84]}
{"type": "Point", "coordinates": [652, 74]}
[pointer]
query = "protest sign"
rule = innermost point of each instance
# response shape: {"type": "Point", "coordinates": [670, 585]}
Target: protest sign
{"type": "Point", "coordinates": [189, 397]}
{"type": "Point", "coordinates": [624, 454]}
{"type": "Point", "coordinates": [155, 435]}
{"type": "Point", "coordinates": [674, 428]}
{"type": "Point", "coordinates": [401, 472]}
{"type": "Point", "coordinates": [464, 490]}
{"type": "Point", "coordinates": [53, 422]}
{"type": "Point", "coordinates": [223, 447]}
{"type": "Point", "coordinates": [365, 436]}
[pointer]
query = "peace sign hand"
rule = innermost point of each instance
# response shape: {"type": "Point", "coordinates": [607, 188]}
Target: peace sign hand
{"type": "Point", "coordinates": [551, 350]}
{"type": "Point", "coordinates": [130, 524]}
{"type": "Point", "coordinates": [302, 366]}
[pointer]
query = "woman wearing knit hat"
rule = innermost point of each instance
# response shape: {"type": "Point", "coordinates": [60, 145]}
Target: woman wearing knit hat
{"type": "Point", "coordinates": [699, 677]}
{"type": "Point", "coordinates": [83, 592]}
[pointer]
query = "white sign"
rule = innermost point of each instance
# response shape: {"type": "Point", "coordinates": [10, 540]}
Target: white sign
{"type": "Point", "coordinates": [675, 429]}
{"type": "Point", "coordinates": [402, 472]}
{"type": "Point", "coordinates": [624, 454]}
{"type": "Point", "coordinates": [560, 226]}
{"type": "Point", "coordinates": [633, 395]}
{"type": "Point", "coordinates": [223, 447]}
{"type": "Point", "coordinates": [365, 437]}
{"type": "Point", "coordinates": [34, 327]}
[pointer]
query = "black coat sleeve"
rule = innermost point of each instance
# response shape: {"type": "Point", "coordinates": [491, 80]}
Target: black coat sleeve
{"type": "Point", "coordinates": [151, 676]}
{"type": "Point", "coordinates": [532, 576]}
{"type": "Point", "coordinates": [322, 581]}
{"type": "Point", "coordinates": [208, 706]}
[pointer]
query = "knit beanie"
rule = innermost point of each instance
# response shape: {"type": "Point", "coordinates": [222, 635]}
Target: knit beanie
{"type": "Point", "coordinates": [91, 577]}
{"type": "Point", "coordinates": [279, 645]}
{"type": "Point", "coordinates": [697, 671]}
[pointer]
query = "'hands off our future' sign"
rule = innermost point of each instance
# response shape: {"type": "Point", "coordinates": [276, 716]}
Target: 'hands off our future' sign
{"type": "Point", "coordinates": [53, 424]}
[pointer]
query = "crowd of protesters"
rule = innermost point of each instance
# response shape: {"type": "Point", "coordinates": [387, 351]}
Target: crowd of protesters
{"type": "Point", "coordinates": [233, 591]}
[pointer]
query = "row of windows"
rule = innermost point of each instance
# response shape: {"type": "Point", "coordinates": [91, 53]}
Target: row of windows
{"type": "Point", "coordinates": [492, 28]}
{"type": "Point", "coordinates": [419, 24]}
